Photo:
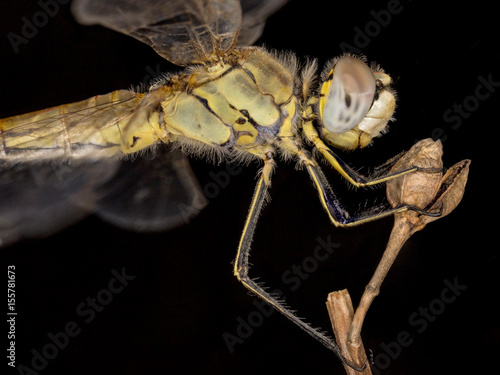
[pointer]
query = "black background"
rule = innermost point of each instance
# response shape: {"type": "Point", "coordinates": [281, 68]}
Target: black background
{"type": "Point", "coordinates": [171, 318]}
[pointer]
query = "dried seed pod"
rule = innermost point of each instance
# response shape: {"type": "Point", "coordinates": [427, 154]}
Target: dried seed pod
{"type": "Point", "coordinates": [417, 189]}
{"type": "Point", "coordinates": [450, 192]}
{"type": "Point", "coordinates": [427, 189]}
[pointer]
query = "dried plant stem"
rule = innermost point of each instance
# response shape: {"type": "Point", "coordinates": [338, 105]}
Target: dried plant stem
{"type": "Point", "coordinates": [340, 309]}
{"type": "Point", "coordinates": [401, 231]}
{"type": "Point", "coordinates": [429, 192]}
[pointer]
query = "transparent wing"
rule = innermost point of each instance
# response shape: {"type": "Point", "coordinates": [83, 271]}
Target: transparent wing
{"type": "Point", "coordinates": [152, 193]}
{"type": "Point", "coordinates": [47, 181]}
{"type": "Point", "coordinates": [38, 199]}
{"type": "Point", "coordinates": [181, 31]}
{"type": "Point", "coordinates": [255, 14]}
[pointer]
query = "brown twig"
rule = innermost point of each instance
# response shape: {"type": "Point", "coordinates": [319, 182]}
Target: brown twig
{"type": "Point", "coordinates": [340, 309]}
{"type": "Point", "coordinates": [432, 193]}
{"type": "Point", "coordinates": [400, 233]}
{"type": "Point", "coordinates": [431, 196]}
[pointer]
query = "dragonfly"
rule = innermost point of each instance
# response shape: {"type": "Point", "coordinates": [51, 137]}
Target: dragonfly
{"type": "Point", "coordinates": [232, 101]}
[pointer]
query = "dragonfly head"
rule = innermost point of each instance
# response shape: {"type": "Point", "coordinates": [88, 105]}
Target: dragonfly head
{"type": "Point", "coordinates": [355, 103]}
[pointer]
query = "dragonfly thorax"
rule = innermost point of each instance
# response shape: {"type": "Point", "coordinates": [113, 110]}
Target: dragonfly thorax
{"type": "Point", "coordinates": [241, 105]}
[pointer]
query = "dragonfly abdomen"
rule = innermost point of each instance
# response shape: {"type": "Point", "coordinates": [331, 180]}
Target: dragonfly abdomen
{"type": "Point", "coordinates": [102, 126]}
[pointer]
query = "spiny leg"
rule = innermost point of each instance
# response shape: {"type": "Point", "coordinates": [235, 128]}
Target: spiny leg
{"type": "Point", "coordinates": [345, 171]}
{"type": "Point", "coordinates": [241, 266]}
{"type": "Point", "coordinates": [337, 213]}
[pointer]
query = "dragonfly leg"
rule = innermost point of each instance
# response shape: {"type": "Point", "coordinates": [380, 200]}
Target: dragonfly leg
{"type": "Point", "coordinates": [338, 214]}
{"type": "Point", "coordinates": [241, 266]}
{"type": "Point", "coordinates": [341, 167]}
{"type": "Point", "coordinates": [357, 179]}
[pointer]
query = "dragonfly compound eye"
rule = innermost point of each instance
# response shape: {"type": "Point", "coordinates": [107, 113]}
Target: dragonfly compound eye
{"type": "Point", "coordinates": [348, 94]}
